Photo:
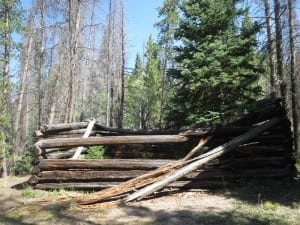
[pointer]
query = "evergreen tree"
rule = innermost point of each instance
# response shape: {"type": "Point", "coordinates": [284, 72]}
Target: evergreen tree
{"type": "Point", "coordinates": [218, 66]}
{"type": "Point", "coordinates": [169, 20]}
{"type": "Point", "coordinates": [153, 81]}
{"type": "Point", "coordinates": [143, 98]}
{"type": "Point", "coordinates": [134, 99]}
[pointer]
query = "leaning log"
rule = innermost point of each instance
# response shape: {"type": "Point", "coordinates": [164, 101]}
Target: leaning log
{"type": "Point", "coordinates": [85, 135]}
{"type": "Point", "coordinates": [213, 154]}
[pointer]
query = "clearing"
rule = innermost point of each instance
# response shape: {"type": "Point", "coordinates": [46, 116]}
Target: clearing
{"type": "Point", "coordinates": [265, 202]}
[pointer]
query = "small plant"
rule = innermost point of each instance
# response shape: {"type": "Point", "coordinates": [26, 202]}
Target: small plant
{"type": "Point", "coordinates": [23, 165]}
{"type": "Point", "coordinates": [95, 152]}
{"type": "Point", "coordinates": [29, 193]}
{"type": "Point", "coordinates": [270, 205]}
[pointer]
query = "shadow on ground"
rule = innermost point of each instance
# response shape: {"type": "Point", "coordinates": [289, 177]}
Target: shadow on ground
{"type": "Point", "coordinates": [285, 192]}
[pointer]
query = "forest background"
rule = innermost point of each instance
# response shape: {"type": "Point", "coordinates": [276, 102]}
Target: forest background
{"type": "Point", "coordinates": [67, 60]}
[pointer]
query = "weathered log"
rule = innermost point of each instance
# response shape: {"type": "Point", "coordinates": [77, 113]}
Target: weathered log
{"type": "Point", "coordinates": [251, 162]}
{"type": "Point", "coordinates": [63, 126]}
{"type": "Point", "coordinates": [64, 164]}
{"type": "Point", "coordinates": [60, 175]}
{"type": "Point", "coordinates": [213, 154]}
{"type": "Point", "coordinates": [91, 141]}
{"type": "Point", "coordinates": [90, 186]}
{"type": "Point", "coordinates": [118, 175]}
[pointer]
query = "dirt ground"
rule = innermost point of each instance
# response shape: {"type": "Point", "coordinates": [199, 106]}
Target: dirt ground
{"type": "Point", "coordinates": [176, 208]}
{"type": "Point", "coordinates": [188, 208]}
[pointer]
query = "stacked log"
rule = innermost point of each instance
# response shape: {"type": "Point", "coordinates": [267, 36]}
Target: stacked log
{"type": "Point", "coordinates": [269, 155]}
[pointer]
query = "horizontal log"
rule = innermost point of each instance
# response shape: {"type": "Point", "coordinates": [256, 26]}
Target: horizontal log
{"type": "Point", "coordinates": [103, 185]}
{"type": "Point", "coordinates": [39, 151]}
{"type": "Point", "coordinates": [60, 175]}
{"type": "Point", "coordinates": [261, 148]}
{"type": "Point", "coordinates": [251, 162]}
{"type": "Point", "coordinates": [125, 164]}
{"type": "Point", "coordinates": [92, 141]}
{"type": "Point", "coordinates": [117, 175]}
{"type": "Point", "coordinates": [63, 126]}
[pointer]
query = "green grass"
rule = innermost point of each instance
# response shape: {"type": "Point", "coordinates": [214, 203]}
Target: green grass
{"type": "Point", "coordinates": [29, 193]}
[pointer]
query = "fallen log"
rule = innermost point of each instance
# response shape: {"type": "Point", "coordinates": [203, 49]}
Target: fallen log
{"type": "Point", "coordinates": [92, 141]}
{"type": "Point", "coordinates": [138, 182]}
{"type": "Point", "coordinates": [213, 154]}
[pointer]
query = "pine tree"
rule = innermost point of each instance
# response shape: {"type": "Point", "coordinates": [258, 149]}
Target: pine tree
{"type": "Point", "coordinates": [169, 19]}
{"type": "Point", "coordinates": [134, 99]}
{"type": "Point", "coordinates": [218, 66]}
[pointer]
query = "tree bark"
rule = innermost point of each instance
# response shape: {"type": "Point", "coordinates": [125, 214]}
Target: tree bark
{"type": "Point", "coordinates": [293, 74]}
{"type": "Point", "coordinates": [270, 42]}
{"type": "Point", "coordinates": [279, 53]}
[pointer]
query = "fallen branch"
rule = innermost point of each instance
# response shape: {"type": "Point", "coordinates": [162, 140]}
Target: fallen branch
{"type": "Point", "coordinates": [202, 160]}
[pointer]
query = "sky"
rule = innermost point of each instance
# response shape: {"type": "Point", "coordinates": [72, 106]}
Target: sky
{"type": "Point", "coordinates": [141, 15]}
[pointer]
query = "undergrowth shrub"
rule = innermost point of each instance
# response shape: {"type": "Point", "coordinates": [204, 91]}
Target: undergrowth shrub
{"type": "Point", "coordinates": [95, 152]}
{"type": "Point", "coordinates": [23, 165]}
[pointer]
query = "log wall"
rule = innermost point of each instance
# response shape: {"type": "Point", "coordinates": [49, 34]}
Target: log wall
{"type": "Point", "coordinates": [270, 155]}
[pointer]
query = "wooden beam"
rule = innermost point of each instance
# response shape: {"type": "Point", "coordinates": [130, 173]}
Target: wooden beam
{"type": "Point", "coordinates": [63, 164]}
{"type": "Point", "coordinates": [115, 140]}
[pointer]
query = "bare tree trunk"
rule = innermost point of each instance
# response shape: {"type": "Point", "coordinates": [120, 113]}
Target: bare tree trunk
{"type": "Point", "coordinates": [109, 74]}
{"type": "Point", "coordinates": [279, 52]}
{"type": "Point", "coordinates": [4, 163]}
{"type": "Point", "coordinates": [6, 56]}
{"type": "Point", "coordinates": [293, 75]}
{"type": "Point", "coordinates": [41, 62]}
{"type": "Point", "coordinates": [23, 85]}
{"type": "Point", "coordinates": [21, 101]}
{"type": "Point", "coordinates": [74, 35]}
{"type": "Point", "coordinates": [122, 74]}
{"type": "Point", "coordinates": [5, 84]}
{"type": "Point", "coordinates": [270, 46]}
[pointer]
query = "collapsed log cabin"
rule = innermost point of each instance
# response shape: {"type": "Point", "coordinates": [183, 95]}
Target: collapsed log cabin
{"type": "Point", "coordinates": [135, 159]}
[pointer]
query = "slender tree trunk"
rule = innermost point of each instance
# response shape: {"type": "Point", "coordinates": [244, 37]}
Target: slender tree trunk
{"type": "Point", "coordinates": [109, 74]}
{"type": "Point", "coordinates": [163, 88]}
{"type": "Point", "coordinates": [74, 35]}
{"type": "Point", "coordinates": [4, 160]}
{"type": "Point", "coordinates": [17, 134]}
{"type": "Point", "coordinates": [270, 46]}
{"type": "Point", "coordinates": [279, 52]}
{"type": "Point", "coordinates": [122, 74]}
{"type": "Point", "coordinates": [293, 75]}
{"type": "Point", "coordinates": [23, 85]}
{"type": "Point", "coordinates": [5, 85]}
{"type": "Point", "coordinates": [6, 56]}
{"type": "Point", "coordinates": [41, 63]}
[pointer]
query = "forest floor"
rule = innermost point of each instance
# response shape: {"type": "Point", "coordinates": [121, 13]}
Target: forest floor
{"type": "Point", "coordinates": [256, 202]}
